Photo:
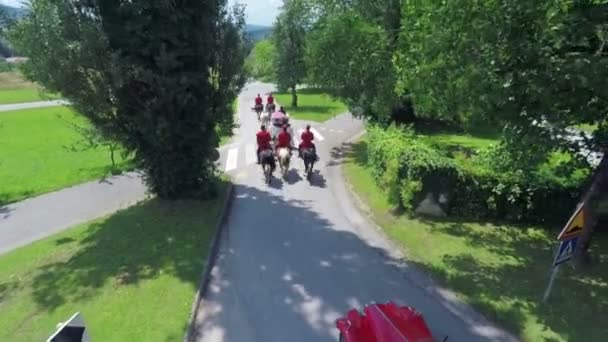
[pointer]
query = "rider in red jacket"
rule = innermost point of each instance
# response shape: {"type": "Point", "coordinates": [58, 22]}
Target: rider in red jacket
{"type": "Point", "coordinates": [263, 138]}
{"type": "Point", "coordinates": [270, 99]}
{"type": "Point", "coordinates": [284, 139]}
{"type": "Point", "coordinates": [307, 138]}
{"type": "Point", "coordinates": [259, 101]}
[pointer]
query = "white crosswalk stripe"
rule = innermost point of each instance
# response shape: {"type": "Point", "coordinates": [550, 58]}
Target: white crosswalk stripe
{"type": "Point", "coordinates": [250, 156]}
{"type": "Point", "coordinates": [318, 135]}
{"type": "Point", "coordinates": [243, 153]}
{"type": "Point", "coordinates": [232, 159]}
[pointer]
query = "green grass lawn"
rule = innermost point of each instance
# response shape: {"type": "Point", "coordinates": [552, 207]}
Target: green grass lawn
{"type": "Point", "coordinates": [313, 105]}
{"type": "Point", "coordinates": [41, 152]}
{"type": "Point", "coordinates": [15, 89]}
{"type": "Point", "coordinates": [451, 138]}
{"type": "Point", "coordinates": [132, 275]}
{"type": "Point", "coordinates": [587, 127]}
{"type": "Point", "coordinates": [501, 270]}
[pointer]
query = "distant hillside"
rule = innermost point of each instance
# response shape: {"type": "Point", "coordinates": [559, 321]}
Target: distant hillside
{"type": "Point", "coordinates": [14, 12]}
{"type": "Point", "coordinates": [258, 32]}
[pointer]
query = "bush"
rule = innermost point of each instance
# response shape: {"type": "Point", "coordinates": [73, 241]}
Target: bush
{"type": "Point", "coordinates": [5, 66]}
{"type": "Point", "coordinates": [409, 169]}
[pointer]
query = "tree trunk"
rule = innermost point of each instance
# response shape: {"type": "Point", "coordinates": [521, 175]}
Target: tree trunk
{"type": "Point", "coordinates": [112, 159]}
{"type": "Point", "coordinates": [294, 97]}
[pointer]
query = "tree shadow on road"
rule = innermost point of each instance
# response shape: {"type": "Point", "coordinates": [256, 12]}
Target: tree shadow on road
{"type": "Point", "coordinates": [304, 271]}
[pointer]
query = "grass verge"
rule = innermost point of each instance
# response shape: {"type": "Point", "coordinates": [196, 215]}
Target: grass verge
{"type": "Point", "coordinates": [499, 269]}
{"type": "Point", "coordinates": [132, 275]}
{"type": "Point", "coordinates": [15, 89]}
{"type": "Point", "coordinates": [42, 152]}
{"type": "Point", "coordinates": [313, 105]}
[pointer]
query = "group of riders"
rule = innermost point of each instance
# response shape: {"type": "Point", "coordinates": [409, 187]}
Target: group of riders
{"type": "Point", "coordinates": [280, 133]}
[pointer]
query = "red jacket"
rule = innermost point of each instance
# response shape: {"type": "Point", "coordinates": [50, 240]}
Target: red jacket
{"type": "Point", "coordinates": [263, 138]}
{"type": "Point", "coordinates": [307, 138]}
{"type": "Point", "coordinates": [270, 99]}
{"type": "Point", "coordinates": [259, 101]}
{"type": "Point", "coordinates": [284, 140]}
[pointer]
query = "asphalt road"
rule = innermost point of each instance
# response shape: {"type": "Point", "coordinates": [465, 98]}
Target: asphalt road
{"type": "Point", "coordinates": [294, 256]}
{"type": "Point", "coordinates": [31, 105]}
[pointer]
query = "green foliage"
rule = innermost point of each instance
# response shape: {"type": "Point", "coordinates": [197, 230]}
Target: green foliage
{"type": "Point", "coordinates": [123, 265]}
{"type": "Point", "coordinates": [364, 78]}
{"type": "Point", "coordinates": [500, 269]}
{"type": "Point", "coordinates": [289, 37]}
{"type": "Point", "coordinates": [5, 66]}
{"type": "Point", "coordinates": [509, 63]}
{"type": "Point", "coordinates": [408, 168]}
{"type": "Point", "coordinates": [260, 62]}
{"type": "Point", "coordinates": [156, 77]}
{"type": "Point", "coordinates": [228, 71]}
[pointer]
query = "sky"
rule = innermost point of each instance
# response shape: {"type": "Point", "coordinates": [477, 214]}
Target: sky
{"type": "Point", "coordinates": [260, 12]}
{"type": "Point", "coordinates": [17, 3]}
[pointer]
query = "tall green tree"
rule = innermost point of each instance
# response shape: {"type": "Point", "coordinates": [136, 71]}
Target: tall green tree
{"type": "Point", "coordinates": [151, 75]}
{"type": "Point", "coordinates": [260, 62]}
{"type": "Point", "coordinates": [228, 71]}
{"type": "Point", "coordinates": [289, 36]}
{"type": "Point", "coordinates": [6, 21]}
{"type": "Point", "coordinates": [350, 49]}
{"type": "Point", "coordinates": [535, 68]}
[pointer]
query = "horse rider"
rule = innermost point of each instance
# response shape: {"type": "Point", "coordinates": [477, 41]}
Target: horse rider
{"type": "Point", "coordinates": [283, 140]}
{"type": "Point", "coordinates": [259, 103]}
{"type": "Point", "coordinates": [270, 101]}
{"type": "Point", "coordinates": [263, 138]}
{"type": "Point", "coordinates": [307, 137]}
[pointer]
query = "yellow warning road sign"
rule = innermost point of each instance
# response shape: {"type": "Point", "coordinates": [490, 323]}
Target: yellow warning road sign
{"type": "Point", "coordinates": [575, 225]}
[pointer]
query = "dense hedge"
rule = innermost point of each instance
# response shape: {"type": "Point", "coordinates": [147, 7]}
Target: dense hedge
{"type": "Point", "coordinates": [408, 169]}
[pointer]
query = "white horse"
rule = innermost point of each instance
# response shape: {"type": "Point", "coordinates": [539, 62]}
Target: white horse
{"type": "Point", "coordinates": [265, 118]}
{"type": "Point", "coordinates": [284, 159]}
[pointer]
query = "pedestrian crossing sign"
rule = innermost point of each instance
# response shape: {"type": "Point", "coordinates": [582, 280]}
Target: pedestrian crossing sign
{"type": "Point", "coordinates": [565, 251]}
{"type": "Point", "coordinates": [575, 225]}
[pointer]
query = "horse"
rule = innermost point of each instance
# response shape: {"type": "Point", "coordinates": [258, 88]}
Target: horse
{"type": "Point", "coordinates": [270, 108]}
{"type": "Point", "coordinates": [268, 165]}
{"type": "Point", "coordinates": [264, 119]}
{"type": "Point", "coordinates": [259, 109]}
{"type": "Point", "coordinates": [309, 157]}
{"type": "Point", "coordinates": [284, 159]}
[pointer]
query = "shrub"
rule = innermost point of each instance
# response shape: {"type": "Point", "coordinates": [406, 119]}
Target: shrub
{"type": "Point", "coordinates": [408, 169]}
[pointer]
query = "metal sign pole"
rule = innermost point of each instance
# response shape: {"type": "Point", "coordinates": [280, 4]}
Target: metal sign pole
{"type": "Point", "coordinates": [550, 285]}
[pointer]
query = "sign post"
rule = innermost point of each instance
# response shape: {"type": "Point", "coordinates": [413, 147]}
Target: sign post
{"type": "Point", "coordinates": [569, 238]}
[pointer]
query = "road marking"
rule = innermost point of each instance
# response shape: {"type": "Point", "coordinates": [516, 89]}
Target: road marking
{"type": "Point", "coordinates": [318, 135]}
{"type": "Point", "coordinates": [232, 158]}
{"type": "Point", "coordinates": [250, 156]}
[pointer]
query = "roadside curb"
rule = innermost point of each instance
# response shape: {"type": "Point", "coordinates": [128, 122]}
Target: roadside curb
{"type": "Point", "coordinates": [211, 257]}
{"type": "Point", "coordinates": [446, 297]}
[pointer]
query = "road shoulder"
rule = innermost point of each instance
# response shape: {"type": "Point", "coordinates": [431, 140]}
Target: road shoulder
{"type": "Point", "coordinates": [359, 214]}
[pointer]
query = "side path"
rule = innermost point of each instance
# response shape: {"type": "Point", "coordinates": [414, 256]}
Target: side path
{"type": "Point", "coordinates": [30, 105]}
{"type": "Point", "coordinates": [35, 218]}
